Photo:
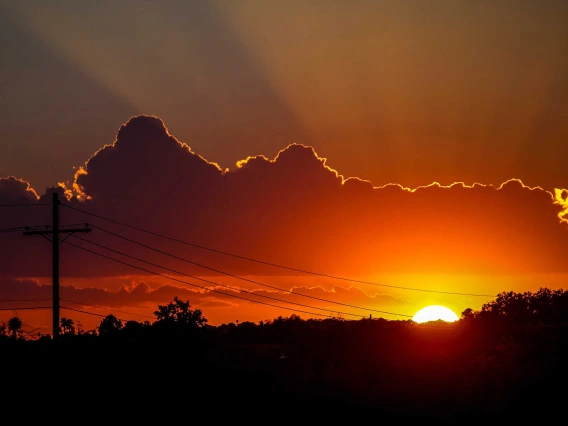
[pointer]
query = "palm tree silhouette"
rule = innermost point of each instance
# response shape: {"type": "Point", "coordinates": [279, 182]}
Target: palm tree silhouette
{"type": "Point", "coordinates": [66, 324]}
{"type": "Point", "coordinates": [15, 327]}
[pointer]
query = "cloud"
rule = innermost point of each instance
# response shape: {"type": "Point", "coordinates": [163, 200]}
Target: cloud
{"type": "Point", "coordinates": [293, 210]}
{"type": "Point", "coordinates": [14, 190]}
{"type": "Point", "coordinates": [138, 294]}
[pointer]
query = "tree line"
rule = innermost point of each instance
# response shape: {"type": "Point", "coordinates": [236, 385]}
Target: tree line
{"type": "Point", "coordinates": [511, 353]}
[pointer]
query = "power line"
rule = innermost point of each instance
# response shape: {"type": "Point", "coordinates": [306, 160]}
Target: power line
{"type": "Point", "coordinates": [73, 224]}
{"type": "Point", "coordinates": [222, 285]}
{"type": "Point", "coordinates": [29, 333]}
{"type": "Point", "coordinates": [34, 227]}
{"type": "Point", "coordinates": [22, 228]}
{"type": "Point", "coordinates": [202, 287]}
{"type": "Point", "coordinates": [230, 287]}
{"type": "Point", "coordinates": [26, 308]}
{"type": "Point", "coordinates": [304, 271]}
{"type": "Point", "coordinates": [107, 308]}
{"type": "Point", "coordinates": [232, 275]}
{"type": "Point", "coordinates": [90, 313]}
{"type": "Point", "coordinates": [23, 205]}
{"type": "Point", "coordinates": [66, 300]}
{"type": "Point", "coordinates": [78, 303]}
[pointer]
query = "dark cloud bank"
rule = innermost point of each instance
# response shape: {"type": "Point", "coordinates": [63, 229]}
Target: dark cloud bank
{"type": "Point", "coordinates": [292, 210]}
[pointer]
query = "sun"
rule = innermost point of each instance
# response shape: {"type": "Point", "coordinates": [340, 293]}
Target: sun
{"type": "Point", "coordinates": [435, 313]}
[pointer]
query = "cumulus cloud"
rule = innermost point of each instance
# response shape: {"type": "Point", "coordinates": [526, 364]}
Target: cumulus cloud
{"type": "Point", "coordinates": [294, 210]}
{"type": "Point", "coordinates": [16, 191]}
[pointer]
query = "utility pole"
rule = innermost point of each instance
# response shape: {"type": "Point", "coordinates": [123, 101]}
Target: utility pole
{"type": "Point", "coordinates": [54, 233]}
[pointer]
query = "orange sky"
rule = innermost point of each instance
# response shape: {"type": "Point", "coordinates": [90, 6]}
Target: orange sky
{"type": "Point", "coordinates": [405, 91]}
{"type": "Point", "coordinates": [404, 302]}
{"type": "Point", "coordinates": [292, 210]}
{"type": "Point", "coordinates": [314, 131]}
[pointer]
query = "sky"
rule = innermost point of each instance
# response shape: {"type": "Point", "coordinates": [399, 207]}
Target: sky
{"type": "Point", "coordinates": [325, 135]}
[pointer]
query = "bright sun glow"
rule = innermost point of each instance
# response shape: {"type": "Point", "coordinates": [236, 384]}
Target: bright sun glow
{"type": "Point", "coordinates": [435, 313]}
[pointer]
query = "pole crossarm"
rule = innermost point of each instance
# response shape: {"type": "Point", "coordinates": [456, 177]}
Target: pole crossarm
{"type": "Point", "coordinates": [61, 231]}
{"type": "Point", "coordinates": [54, 233]}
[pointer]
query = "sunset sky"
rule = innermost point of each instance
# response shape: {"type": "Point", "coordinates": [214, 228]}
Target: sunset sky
{"type": "Point", "coordinates": [404, 143]}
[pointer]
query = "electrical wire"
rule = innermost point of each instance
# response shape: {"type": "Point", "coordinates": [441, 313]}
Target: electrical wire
{"type": "Point", "coordinates": [26, 308]}
{"type": "Point", "coordinates": [23, 228]}
{"type": "Point", "coordinates": [23, 205]}
{"type": "Point", "coordinates": [203, 287]}
{"type": "Point", "coordinates": [229, 287]}
{"type": "Point", "coordinates": [107, 308]}
{"type": "Point", "coordinates": [90, 313]}
{"type": "Point", "coordinates": [304, 271]}
{"type": "Point", "coordinates": [232, 275]}
{"type": "Point", "coordinates": [72, 224]}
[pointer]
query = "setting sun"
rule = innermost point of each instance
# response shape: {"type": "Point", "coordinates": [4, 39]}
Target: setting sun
{"type": "Point", "coordinates": [435, 313]}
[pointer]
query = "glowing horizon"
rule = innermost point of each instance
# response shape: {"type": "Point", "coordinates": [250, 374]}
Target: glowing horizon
{"type": "Point", "coordinates": [435, 313]}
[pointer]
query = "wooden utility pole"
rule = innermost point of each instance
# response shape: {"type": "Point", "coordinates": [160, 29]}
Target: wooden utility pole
{"type": "Point", "coordinates": [54, 232]}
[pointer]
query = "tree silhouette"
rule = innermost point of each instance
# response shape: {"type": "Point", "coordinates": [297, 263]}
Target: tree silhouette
{"type": "Point", "coordinates": [468, 314]}
{"type": "Point", "coordinates": [508, 354]}
{"type": "Point", "coordinates": [180, 313]}
{"type": "Point", "coordinates": [67, 325]}
{"type": "Point", "coordinates": [134, 330]}
{"type": "Point", "coordinates": [110, 326]}
{"type": "Point", "coordinates": [544, 306]}
{"type": "Point", "coordinates": [15, 327]}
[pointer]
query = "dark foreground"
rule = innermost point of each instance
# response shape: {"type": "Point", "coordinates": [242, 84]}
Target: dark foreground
{"type": "Point", "coordinates": [505, 363]}
{"type": "Point", "coordinates": [395, 369]}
